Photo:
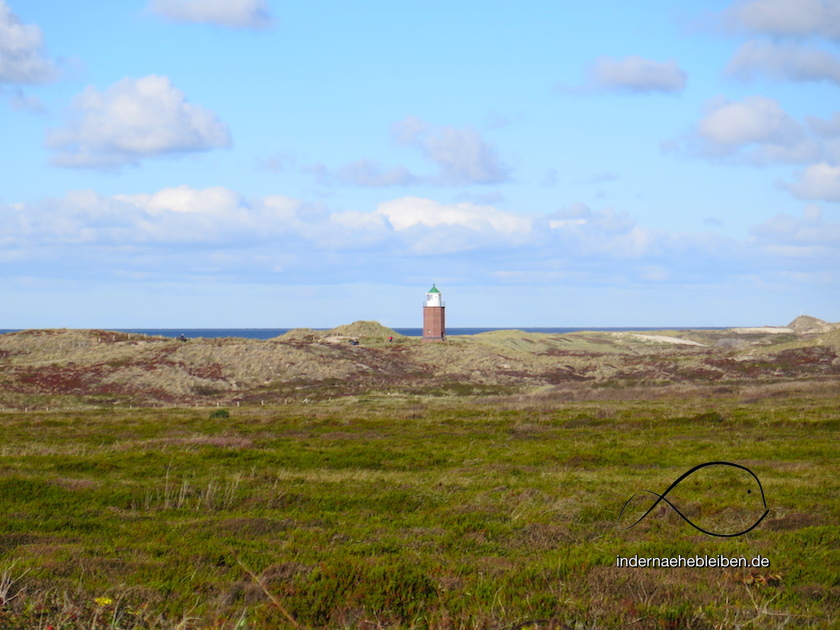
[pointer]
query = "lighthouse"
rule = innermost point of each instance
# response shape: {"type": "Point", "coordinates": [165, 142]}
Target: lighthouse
{"type": "Point", "coordinates": [434, 319]}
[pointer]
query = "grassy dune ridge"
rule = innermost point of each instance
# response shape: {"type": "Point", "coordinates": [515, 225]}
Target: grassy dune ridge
{"type": "Point", "coordinates": [395, 507]}
{"type": "Point", "coordinates": [76, 369]}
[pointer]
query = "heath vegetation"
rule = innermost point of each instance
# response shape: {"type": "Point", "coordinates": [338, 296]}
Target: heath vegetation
{"type": "Point", "coordinates": [417, 513]}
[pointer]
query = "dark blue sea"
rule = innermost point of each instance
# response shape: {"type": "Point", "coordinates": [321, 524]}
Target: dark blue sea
{"type": "Point", "coordinates": [269, 333]}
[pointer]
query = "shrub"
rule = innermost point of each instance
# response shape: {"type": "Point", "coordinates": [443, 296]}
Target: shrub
{"type": "Point", "coordinates": [220, 413]}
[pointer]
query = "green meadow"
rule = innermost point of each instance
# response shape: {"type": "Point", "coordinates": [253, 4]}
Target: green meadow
{"type": "Point", "coordinates": [397, 512]}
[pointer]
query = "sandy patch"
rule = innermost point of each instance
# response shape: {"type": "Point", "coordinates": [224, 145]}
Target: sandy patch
{"type": "Point", "coordinates": [770, 330]}
{"type": "Point", "coordinates": [664, 339]}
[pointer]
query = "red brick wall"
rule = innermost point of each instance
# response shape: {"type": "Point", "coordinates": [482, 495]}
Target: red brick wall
{"type": "Point", "coordinates": [434, 322]}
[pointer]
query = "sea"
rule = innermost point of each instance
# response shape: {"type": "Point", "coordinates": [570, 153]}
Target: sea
{"type": "Point", "coordinates": [270, 333]}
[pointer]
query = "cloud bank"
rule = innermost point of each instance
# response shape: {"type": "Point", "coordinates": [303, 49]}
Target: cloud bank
{"type": "Point", "coordinates": [183, 233]}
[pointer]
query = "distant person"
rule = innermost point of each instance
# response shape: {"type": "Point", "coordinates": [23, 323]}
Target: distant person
{"type": "Point", "coordinates": [182, 337]}
{"type": "Point", "coordinates": [391, 339]}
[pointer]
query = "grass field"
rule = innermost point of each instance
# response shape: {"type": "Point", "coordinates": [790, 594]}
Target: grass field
{"type": "Point", "coordinates": [388, 512]}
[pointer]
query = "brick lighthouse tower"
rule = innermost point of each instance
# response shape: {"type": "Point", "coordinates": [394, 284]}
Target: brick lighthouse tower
{"type": "Point", "coordinates": [434, 316]}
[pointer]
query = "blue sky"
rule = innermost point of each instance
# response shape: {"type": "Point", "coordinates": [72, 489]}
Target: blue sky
{"type": "Point", "coordinates": [252, 163]}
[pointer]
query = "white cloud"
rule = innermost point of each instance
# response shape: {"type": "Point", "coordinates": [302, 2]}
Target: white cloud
{"type": "Point", "coordinates": [757, 119]}
{"type": "Point", "coordinates": [809, 235]}
{"type": "Point", "coordinates": [279, 163]}
{"type": "Point", "coordinates": [462, 156]}
{"type": "Point", "coordinates": [362, 173]}
{"type": "Point", "coordinates": [216, 201]}
{"type": "Point", "coordinates": [784, 61]}
{"type": "Point", "coordinates": [831, 150]}
{"type": "Point", "coordinates": [584, 231]}
{"type": "Point", "coordinates": [132, 120]}
{"type": "Point", "coordinates": [253, 14]}
{"type": "Point", "coordinates": [22, 57]}
{"type": "Point", "coordinates": [756, 130]}
{"type": "Point", "coordinates": [797, 18]}
{"type": "Point", "coordinates": [372, 175]}
{"type": "Point", "coordinates": [817, 181]}
{"type": "Point", "coordinates": [825, 128]}
{"type": "Point", "coordinates": [411, 211]}
{"type": "Point", "coordinates": [636, 74]}
{"type": "Point", "coordinates": [427, 226]}
{"type": "Point", "coordinates": [25, 102]}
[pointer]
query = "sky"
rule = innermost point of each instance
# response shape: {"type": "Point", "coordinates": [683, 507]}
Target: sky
{"type": "Point", "coordinates": [267, 164]}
